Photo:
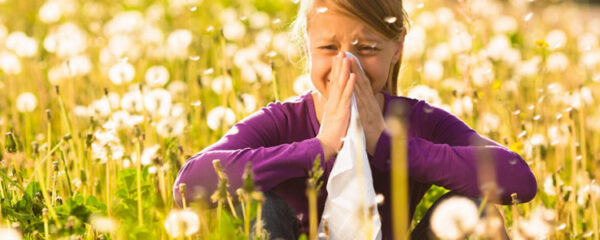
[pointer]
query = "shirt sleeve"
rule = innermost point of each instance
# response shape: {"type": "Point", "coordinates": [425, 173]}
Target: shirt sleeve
{"type": "Point", "coordinates": [255, 139]}
{"type": "Point", "coordinates": [450, 153]}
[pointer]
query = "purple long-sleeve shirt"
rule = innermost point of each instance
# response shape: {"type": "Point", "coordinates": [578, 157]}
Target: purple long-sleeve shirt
{"type": "Point", "coordinates": [280, 141]}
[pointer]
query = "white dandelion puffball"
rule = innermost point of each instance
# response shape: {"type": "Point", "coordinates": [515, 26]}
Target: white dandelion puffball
{"type": "Point", "coordinates": [21, 44]}
{"type": "Point", "coordinates": [454, 217]}
{"type": "Point", "coordinates": [182, 221]}
{"type": "Point", "coordinates": [158, 102]}
{"type": "Point", "coordinates": [234, 30]}
{"type": "Point", "coordinates": [9, 63]}
{"type": "Point", "coordinates": [50, 12]}
{"type": "Point", "coordinates": [26, 102]}
{"type": "Point", "coordinates": [218, 115]}
{"type": "Point", "coordinates": [434, 70]}
{"type": "Point", "coordinates": [178, 42]}
{"type": "Point", "coordinates": [103, 224]}
{"type": "Point", "coordinates": [170, 126]}
{"type": "Point", "coordinates": [8, 233]}
{"type": "Point", "coordinates": [557, 62]}
{"type": "Point", "coordinates": [148, 154]}
{"type": "Point", "coordinates": [221, 84]}
{"type": "Point", "coordinates": [157, 76]}
{"type": "Point", "coordinates": [121, 72]}
{"type": "Point", "coordinates": [425, 93]}
{"type": "Point", "coordinates": [556, 39]}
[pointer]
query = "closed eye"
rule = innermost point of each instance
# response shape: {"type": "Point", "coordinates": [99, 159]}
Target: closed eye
{"type": "Point", "coordinates": [328, 47]}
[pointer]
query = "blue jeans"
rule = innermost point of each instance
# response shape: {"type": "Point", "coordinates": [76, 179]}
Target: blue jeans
{"type": "Point", "coordinates": [280, 218]}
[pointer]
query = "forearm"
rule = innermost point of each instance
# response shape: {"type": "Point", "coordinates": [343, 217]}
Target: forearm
{"type": "Point", "coordinates": [271, 166]}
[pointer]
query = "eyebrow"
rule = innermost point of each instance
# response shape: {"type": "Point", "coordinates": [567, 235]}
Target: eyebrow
{"type": "Point", "coordinates": [359, 38]}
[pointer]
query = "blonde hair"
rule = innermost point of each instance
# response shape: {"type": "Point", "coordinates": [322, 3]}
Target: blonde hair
{"type": "Point", "coordinates": [385, 16]}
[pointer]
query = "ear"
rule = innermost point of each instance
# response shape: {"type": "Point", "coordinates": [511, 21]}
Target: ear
{"type": "Point", "coordinates": [398, 46]}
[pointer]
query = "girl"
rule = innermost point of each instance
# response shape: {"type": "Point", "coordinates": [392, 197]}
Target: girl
{"type": "Point", "coordinates": [283, 139]}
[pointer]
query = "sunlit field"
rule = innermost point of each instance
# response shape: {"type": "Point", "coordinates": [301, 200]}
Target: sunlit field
{"type": "Point", "coordinates": [103, 102]}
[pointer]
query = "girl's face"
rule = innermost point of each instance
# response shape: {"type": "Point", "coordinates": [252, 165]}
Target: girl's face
{"type": "Point", "coordinates": [330, 31]}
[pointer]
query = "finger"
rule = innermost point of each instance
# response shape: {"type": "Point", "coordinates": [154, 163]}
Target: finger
{"type": "Point", "coordinates": [349, 89]}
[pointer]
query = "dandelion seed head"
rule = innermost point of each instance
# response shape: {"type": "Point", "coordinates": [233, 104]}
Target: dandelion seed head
{"type": "Point", "coordinates": [50, 12]}
{"type": "Point", "coordinates": [218, 116]}
{"type": "Point", "coordinates": [556, 39]}
{"type": "Point", "coordinates": [21, 44]}
{"type": "Point", "coordinates": [121, 73]}
{"type": "Point", "coordinates": [170, 126]}
{"type": "Point", "coordinates": [222, 84]}
{"type": "Point", "coordinates": [454, 217]}
{"type": "Point", "coordinates": [9, 233]}
{"type": "Point", "coordinates": [9, 63]}
{"type": "Point", "coordinates": [433, 70]}
{"type": "Point", "coordinates": [157, 76]}
{"type": "Point", "coordinates": [258, 20]}
{"type": "Point", "coordinates": [234, 30]}
{"type": "Point", "coordinates": [182, 221]}
{"type": "Point", "coordinates": [158, 102]}
{"type": "Point", "coordinates": [26, 102]}
{"type": "Point", "coordinates": [103, 224]}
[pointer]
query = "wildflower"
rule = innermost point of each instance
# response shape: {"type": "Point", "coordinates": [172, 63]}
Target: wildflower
{"type": "Point", "coordinates": [454, 217]}
{"type": "Point", "coordinates": [218, 116]}
{"type": "Point", "coordinates": [148, 154]}
{"type": "Point", "coordinates": [50, 12]}
{"type": "Point", "coordinates": [425, 93]}
{"type": "Point", "coordinates": [584, 193]}
{"type": "Point", "coordinates": [21, 44]}
{"type": "Point", "coordinates": [67, 40]}
{"type": "Point", "coordinates": [124, 23]}
{"type": "Point", "coordinates": [440, 52]}
{"type": "Point", "coordinates": [490, 122]}
{"type": "Point", "coordinates": [26, 102]}
{"type": "Point", "coordinates": [557, 62]}
{"type": "Point", "coordinates": [460, 41]}
{"type": "Point", "coordinates": [101, 107]}
{"type": "Point", "coordinates": [103, 224]}
{"type": "Point", "coordinates": [529, 67]}
{"type": "Point", "coordinates": [248, 74]}
{"type": "Point", "coordinates": [258, 20]}
{"type": "Point", "coordinates": [498, 46]}
{"type": "Point", "coordinates": [283, 45]}
{"type": "Point", "coordinates": [556, 39]}
{"type": "Point", "coordinates": [539, 224]}
{"type": "Point", "coordinates": [221, 84]}
{"type": "Point", "coordinates": [182, 222]}
{"type": "Point", "coordinates": [505, 24]}
{"type": "Point", "coordinates": [264, 71]}
{"type": "Point", "coordinates": [433, 70]}
{"type": "Point", "coordinates": [414, 43]}
{"type": "Point", "coordinates": [9, 233]}
{"type": "Point", "coordinates": [587, 42]}
{"type": "Point", "coordinates": [121, 72]}
{"type": "Point", "coordinates": [9, 63]}
{"type": "Point", "coordinates": [234, 30]}
{"type": "Point", "coordinates": [157, 76]}
{"type": "Point", "coordinates": [151, 35]}
{"type": "Point", "coordinates": [169, 126]}
{"type": "Point", "coordinates": [132, 101]}
{"type": "Point", "coordinates": [248, 102]}
{"type": "Point", "coordinates": [176, 88]}
{"type": "Point", "coordinates": [178, 42]}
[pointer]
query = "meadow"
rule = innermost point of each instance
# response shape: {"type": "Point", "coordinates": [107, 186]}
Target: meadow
{"type": "Point", "coordinates": [103, 102]}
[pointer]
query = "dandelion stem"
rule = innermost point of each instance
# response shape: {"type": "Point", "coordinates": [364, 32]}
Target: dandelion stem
{"type": "Point", "coordinates": [399, 179]}
{"type": "Point", "coordinates": [138, 169]}
{"type": "Point", "coordinates": [63, 158]}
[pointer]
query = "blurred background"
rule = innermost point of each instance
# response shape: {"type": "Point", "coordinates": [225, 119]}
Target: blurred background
{"type": "Point", "coordinates": [103, 102]}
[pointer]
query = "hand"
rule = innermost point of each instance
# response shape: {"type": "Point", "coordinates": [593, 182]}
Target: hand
{"type": "Point", "coordinates": [371, 116]}
{"type": "Point", "coordinates": [336, 111]}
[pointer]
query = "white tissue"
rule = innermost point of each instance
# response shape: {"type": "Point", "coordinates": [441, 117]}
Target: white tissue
{"type": "Point", "coordinates": [350, 187]}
